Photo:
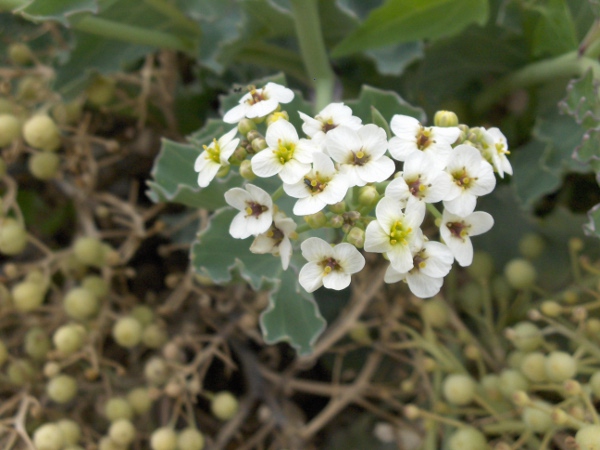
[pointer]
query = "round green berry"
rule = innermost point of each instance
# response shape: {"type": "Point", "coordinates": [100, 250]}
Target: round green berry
{"type": "Point", "coordinates": [122, 432]}
{"type": "Point", "coordinates": [41, 132]}
{"type": "Point", "coordinates": [156, 371]}
{"type": "Point", "coordinates": [69, 338]}
{"type": "Point", "coordinates": [19, 53]}
{"type": "Point", "coordinates": [435, 312]}
{"type": "Point", "coordinates": [20, 372]}
{"type": "Point", "coordinates": [10, 129]}
{"type": "Point", "coordinates": [511, 381]}
{"type": "Point", "coordinates": [62, 388]}
{"type": "Point", "coordinates": [163, 439]}
{"type": "Point", "coordinates": [43, 165]}
{"type": "Point", "coordinates": [190, 439]}
{"type": "Point", "coordinates": [560, 366]}
{"type": "Point", "coordinates": [118, 408]}
{"type": "Point", "coordinates": [537, 420]}
{"type": "Point", "coordinates": [71, 431]}
{"type": "Point", "coordinates": [532, 245]}
{"type": "Point", "coordinates": [491, 386]}
{"type": "Point", "coordinates": [13, 237]}
{"type": "Point", "coordinates": [526, 336]}
{"type": "Point", "coordinates": [89, 251]}
{"type": "Point", "coordinates": [127, 332]}
{"type": "Point", "coordinates": [37, 343]}
{"type": "Point", "coordinates": [588, 438]}
{"type": "Point", "coordinates": [520, 273]}
{"type": "Point", "coordinates": [459, 389]}
{"type": "Point", "coordinates": [27, 295]}
{"type": "Point", "coordinates": [533, 366]}
{"type": "Point", "coordinates": [154, 336]}
{"type": "Point", "coordinates": [48, 437]}
{"type": "Point", "coordinates": [96, 285]}
{"type": "Point", "coordinates": [140, 400]}
{"type": "Point", "coordinates": [106, 443]}
{"type": "Point", "coordinates": [224, 405]}
{"type": "Point", "coordinates": [143, 314]}
{"type": "Point", "coordinates": [467, 438]}
{"type": "Point", "coordinates": [81, 304]}
{"type": "Point", "coordinates": [101, 91]}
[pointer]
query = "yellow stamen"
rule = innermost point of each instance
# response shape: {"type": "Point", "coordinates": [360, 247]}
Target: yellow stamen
{"type": "Point", "coordinates": [327, 269]}
{"type": "Point", "coordinates": [249, 211]}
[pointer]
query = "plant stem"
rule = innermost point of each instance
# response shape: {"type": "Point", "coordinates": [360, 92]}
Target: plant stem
{"type": "Point", "coordinates": [312, 48]}
{"type": "Point", "coordinates": [433, 210]}
{"type": "Point", "coordinates": [175, 14]}
{"type": "Point", "coordinates": [567, 65]}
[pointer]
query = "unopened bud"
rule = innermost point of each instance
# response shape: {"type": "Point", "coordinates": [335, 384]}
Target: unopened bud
{"type": "Point", "coordinates": [338, 208]}
{"type": "Point", "coordinates": [317, 220]}
{"type": "Point", "coordinates": [336, 221]}
{"type": "Point", "coordinates": [238, 156]}
{"type": "Point", "coordinates": [445, 119]}
{"type": "Point", "coordinates": [360, 334]}
{"type": "Point", "coordinates": [245, 126]}
{"type": "Point", "coordinates": [520, 398]}
{"type": "Point", "coordinates": [411, 412]}
{"type": "Point", "coordinates": [272, 118]}
{"type": "Point", "coordinates": [223, 171]}
{"type": "Point", "coordinates": [572, 387]}
{"type": "Point", "coordinates": [246, 170]}
{"type": "Point", "coordinates": [356, 237]}
{"type": "Point", "coordinates": [559, 417]}
{"type": "Point", "coordinates": [253, 134]}
{"type": "Point", "coordinates": [551, 308]}
{"type": "Point", "coordinates": [259, 144]}
{"type": "Point", "coordinates": [368, 196]}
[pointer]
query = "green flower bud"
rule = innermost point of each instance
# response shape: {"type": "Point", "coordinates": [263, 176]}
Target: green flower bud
{"type": "Point", "coordinates": [101, 91]}
{"type": "Point", "coordinates": [253, 134]}
{"type": "Point", "coordinates": [445, 119]}
{"type": "Point", "coordinates": [338, 208]}
{"type": "Point", "coordinates": [368, 196]}
{"type": "Point", "coordinates": [356, 237]}
{"type": "Point", "coordinates": [245, 126]}
{"type": "Point", "coordinates": [246, 170]}
{"type": "Point", "coordinates": [336, 222]}
{"type": "Point", "coordinates": [317, 220]}
{"type": "Point", "coordinates": [20, 54]}
{"type": "Point", "coordinates": [239, 155]}
{"type": "Point", "coordinates": [223, 171]}
{"type": "Point", "coordinates": [259, 144]}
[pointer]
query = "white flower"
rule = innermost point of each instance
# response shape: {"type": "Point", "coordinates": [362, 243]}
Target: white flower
{"type": "Point", "coordinates": [455, 231]}
{"type": "Point", "coordinates": [411, 136]}
{"type": "Point", "coordinates": [215, 156]}
{"type": "Point", "coordinates": [495, 149]}
{"type": "Point", "coordinates": [323, 185]}
{"type": "Point", "coordinates": [330, 117]}
{"type": "Point", "coordinates": [421, 181]}
{"type": "Point", "coordinates": [276, 240]}
{"type": "Point", "coordinates": [286, 154]}
{"type": "Point", "coordinates": [396, 233]}
{"type": "Point", "coordinates": [328, 266]}
{"type": "Point", "coordinates": [256, 211]}
{"type": "Point", "coordinates": [361, 153]}
{"type": "Point", "coordinates": [431, 264]}
{"type": "Point", "coordinates": [259, 102]}
{"type": "Point", "coordinates": [472, 177]}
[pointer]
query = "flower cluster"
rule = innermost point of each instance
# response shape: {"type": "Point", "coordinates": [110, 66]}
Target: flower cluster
{"type": "Point", "coordinates": [341, 171]}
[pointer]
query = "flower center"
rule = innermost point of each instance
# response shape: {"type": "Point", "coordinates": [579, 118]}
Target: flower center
{"type": "Point", "coordinates": [276, 234]}
{"type": "Point", "coordinates": [285, 151]}
{"type": "Point", "coordinates": [399, 232]}
{"type": "Point", "coordinates": [317, 184]}
{"type": "Point", "coordinates": [420, 260]}
{"type": "Point", "coordinates": [416, 187]}
{"type": "Point", "coordinates": [255, 209]}
{"type": "Point", "coordinates": [360, 158]}
{"type": "Point", "coordinates": [500, 149]}
{"type": "Point", "coordinates": [329, 265]}
{"type": "Point", "coordinates": [424, 138]}
{"type": "Point", "coordinates": [328, 125]}
{"type": "Point", "coordinates": [213, 151]}
{"type": "Point", "coordinates": [462, 179]}
{"type": "Point", "coordinates": [256, 96]}
{"type": "Point", "coordinates": [459, 230]}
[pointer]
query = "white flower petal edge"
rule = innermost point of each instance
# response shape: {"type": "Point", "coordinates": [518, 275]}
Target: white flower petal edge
{"type": "Point", "coordinates": [330, 117]}
{"type": "Point", "coordinates": [456, 232]}
{"type": "Point", "coordinates": [215, 156]}
{"type": "Point", "coordinates": [276, 240]}
{"type": "Point", "coordinates": [328, 266]}
{"type": "Point", "coordinates": [256, 211]}
{"type": "Point", "coordinates": [259, 102]}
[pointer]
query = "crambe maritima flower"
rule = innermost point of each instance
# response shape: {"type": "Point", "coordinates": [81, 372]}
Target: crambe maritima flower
{"type": "Point", "coordinates": [259, 102]}
{"type": "Point", "coordinates": [215, 156]}
{"type": "Point", "coordinates": [431, 264]}
{"type": "Point", "coordinates": [276, 240]}
{"type": "Point", "coordinates": [472, 177]}
{"type": "Point", "coordinates": [396, 233]}
{"type": "Point", "coordinates": [411, 136]}
{"type": "Point", "coordinates": [256, 211]}
{"type": "Point", "coordinates": [455, 231]}
{"type": "Point", "coordinates": [286, 154]}
{"type": "Point", "coordinates": [361, 153]}
{"type": "Point", "coordinates": [496, 151]}
{"type": "Point", "coordinates": [330, 117]}
{"type": "Point", "coordinates": [323, 185]}
{"type": "Point", "coordinates": [328, 266]}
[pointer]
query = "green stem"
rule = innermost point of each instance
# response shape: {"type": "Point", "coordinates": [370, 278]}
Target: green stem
{"type": "Point", "coordinates": [175, 14]}
{"type": "Point", "coordinates": [567, 65]}
{"type": "Point", "coordinates": [433, 210]}
{"type": "Point", "coordinates": [277, 194]}
{"type": "Point", "coordinates": [312, 48]}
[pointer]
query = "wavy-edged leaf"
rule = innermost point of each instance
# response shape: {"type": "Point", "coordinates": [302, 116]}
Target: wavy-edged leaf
{"type": "Point", "coordinates": [553, 32]}
{"type": "Point", "coordinates": [592, 228]}
{"type": "Point", "coordinates": [292, 315]}
{"type": "Point", "coordinates": [58, 10]}
{"type": "Point", "coordinates": [411, 20]}
{"type": "Point", "coordinates": [387, 103]}
{"type": "Point", "coordinates": [582, 101]}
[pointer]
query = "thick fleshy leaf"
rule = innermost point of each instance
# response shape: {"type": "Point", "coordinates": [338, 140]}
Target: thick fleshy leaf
{"type": "Point", "coordinates": [387, 103]}
{"type": "Point", "coordinates": [292, 316]}
{"type": "Point", "coordinates": [58, 10]}
{"type": "Point", "coordinates": [410, 20]}
{"type": "Point", "coordinates": [553, 30]}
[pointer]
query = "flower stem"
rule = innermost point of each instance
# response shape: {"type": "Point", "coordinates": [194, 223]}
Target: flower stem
{"type": "Point", "coordinates": [567, 65]}
{"type": "Point", "coordinates": [433, 210]}
{"type": "Point", "coordinates": [312, 48]}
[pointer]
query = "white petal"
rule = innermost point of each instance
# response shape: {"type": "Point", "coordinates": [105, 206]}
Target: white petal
{"type": "Point", "coordinates": [207, 174]}
{"type": "Point", "coordinates": [311, 277]}
{"type": "Point", "coordinates": [439, 260]}
{"type": "Point", "coordinates": [349, 258]}
{"type": "Point", "coordinates": [237, 113]}
{"type": "Point", "coordinates": [323, 165]}
{"type": "Point", "coordinates": [388, 212]}
{"type": "Point", "coordinates": [401, 257]}
{"type": "Point", "coordinates": [481, 222]}
{"type": "Point", "coordinates": [293, 171]}
{"type": "Point", "coordinates": [402, 124]}
{"type": "Point", "coordinates": [262, 108]}
{"type": "Point", "coordinates": [376, 171]}
{"type": "Point", "coordinates": [376, 240]}
{"type": "Point", "coordinates": [336, 280]}
{"type": "Point", "coordinates": [340, 142]}
{"type": "Point", "coordinates": [280, 93]}
{"type": "Point", "coordinates": [393, 276]}
{"type": "Point", "coordinates": [297, 190]}
{"type": "Point", "coordinates": [260, 196]}
{"type": "Point", "coordinates": [237, 197]}
{"type": "Point", "coordinates": [398, 189]}
{"type": "Point", "coordinates": [239, 226]}
{"type": "Point", "coordinates": [374, 140]}
{"type": "Point", "coordinates": [400, 149]}
{"type": "Point", "coordinates": [265, 164]}
{"type": "Point", "coordinates": [285, 252]}
{"type": "Point", "coordinates": [447, 135]}
{"type": "Point", "coordinates": [462, 249]}
{"type": "Point", "coordinates": [422, 285]}
{"type": "Point", "coordinates": [309, 205]}
{"type": "Point", "coordinates": [463, 205]}
{"type": "Point", "coordinates": [262, 244]}
{"type": "Point", "coordinates": [316, 249]}
{"type": "Point", "coordinates": [280, 131]}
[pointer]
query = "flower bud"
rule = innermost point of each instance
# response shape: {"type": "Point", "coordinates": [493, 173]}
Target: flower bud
{"type": "Point", "coordinates": [238, 156]}
{"type": "Point", "coordinates": [20, 54]}
{"type": "Point", "coordinates": [356, 237]}
{"type": "Point", "coordinates": [551, 308]}
{"type": "Point", "coordinates": [259, 144]}
{"type": "Point", "coordinates": [245, 126]}
{"type": "Point", "coordinates": [368, 196]}
{"type": "Point", "coordinates": [272, 118]}
{"type": "Point", "coordinates": [223, 171]}
{"type": "Point", "coordinates": [445, 119]}
{"type": "Point", "coordinates": [246, 170]}
{"type": "Point", "coordinates": [253, 134]}
{"type": "Point", "coordinates": [338, 208]}
{"type": "Point", "coordinates": [336, 221]}
{"type": "Point", "coordinates": [317, 220]}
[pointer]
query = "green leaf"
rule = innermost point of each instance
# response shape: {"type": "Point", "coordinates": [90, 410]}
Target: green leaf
{"type": "Point", "coordinates": [411, 20]}
{"type": "Point", "coordinates": [582, 101]}
{"type": "Point", "coordinates": [592, 228]}
{"type": "Point", "coordinates": [292, 315]}
{"type": "Point", "coordinates": [590, 146]}
{"type": "Point", "coordinates": [387, 103]}
{"type": "Point", "coordinates": [392, 60]}
{"type": "Point", "coordinates": [554, 31]}
{"type": "Point", "coordinates": [58, 10]}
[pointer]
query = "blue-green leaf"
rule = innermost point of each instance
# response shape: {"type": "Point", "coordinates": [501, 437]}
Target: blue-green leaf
{"type": "Point", "coordinates": [387, 104]}
{"type": "Point", "coordinates": [58, 10]}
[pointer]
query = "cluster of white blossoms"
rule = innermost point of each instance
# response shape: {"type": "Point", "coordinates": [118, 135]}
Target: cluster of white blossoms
{"type": "Point", "coordinates": [341, 171]}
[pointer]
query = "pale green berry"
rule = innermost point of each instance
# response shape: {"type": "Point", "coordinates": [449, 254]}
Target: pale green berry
{"type": "Point", "coordinates": [10, 129]}
{"type": "Point", "coordinates": [163, 439]}
{"type": "Point", "coordinates": [106, 443]}
{"type": "Point", "coordinates": [520, 273]}
{"type": "Point", "coordinates": [537, 420]}
{"type": "Point", "coordinates": [531, 245]}
{"type": "Point", "coordinates": [190, 439]}
{"type": "Point", "coordinates": [143, 314]}
{"type": "Point", "coordinates": [482, 266]}
{"type": "Point", "coordinates": [122, 432]}
{"type": "Point", "coordinates": [27, 295]}
{"type": "Point", "coordinates": [118, 408]}
{"type": "Point", "coordinates": [525, 336]}
{"type": "Point", "coordinates": [491, 386]}
{"type": "Point", "coordinates": [13, 236]}
{"type": "Point", "coordinates": [97, 285]}
{"type": "Point", "coordinates": [459, 389]}
{"type": "Point", "coordinates": [127, 332]}
{"type": "Point", "coordinates": [20, 53]}
{"type": "Point", "coordinates": [48, 437]}
{"type": "Point", "coordinates": [224, 405]}
{"type": "Point", "coordinates": [41, 132]}
{"type": "Point", "coordinates": [156, 371]}
{"type": "Point", "coordinates": [435, 312]}
{"type": "Point", "coordinates": [560, 366]}
{"type": "Point", "coordinates": [71, 431]}
{"type": "Point", "coordinates": [81, 304]}
{"type": "Point", "coordinates": [37, 343]}
{"type": "Point", "coordinates": [69, 338]}
{"type": "Point", "coordinates": [154, 336]}
{"type": "Point", "coordinates": [511, 381]}
{"type": "Point", "coordinates": [89, 251]}
{"type": "Point", "coordinates": [515, 359]}
{"type": "Point", "coordinates": [139, 399]}
{"type": "Point", "coordinates": [44, 165]}
{"type": "Point", "coordinates": [101, 91]}
{"type": "Point", "coordinates": [533, 366]}
{"type": "Point", "coordinates": [467, 438]}
{"type": "Point", "coordinates": [62, 388]}
{"type": "Point", "coordinates": [20, 372]}
{"type": "Point", "coordinates": [595, 384]}
{"type": "Point", "coordinates": [588, 438]}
